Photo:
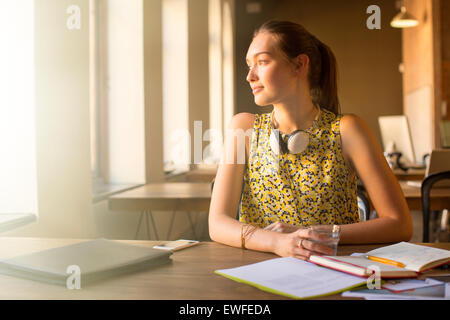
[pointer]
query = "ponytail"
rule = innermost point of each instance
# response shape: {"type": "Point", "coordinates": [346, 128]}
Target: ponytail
{"type": "Point", "coordinates": [328, 96]}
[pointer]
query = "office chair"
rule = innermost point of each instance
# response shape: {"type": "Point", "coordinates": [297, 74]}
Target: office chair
{"type": "Point", "coordinates": [363, 202]}
{"type": "Point", "coordinates": [427, 185]}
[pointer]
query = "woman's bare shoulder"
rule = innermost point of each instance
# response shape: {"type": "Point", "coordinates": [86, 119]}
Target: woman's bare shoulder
{"type": "Point", "coordinates": [353, 126]}
{"type": "Point", "coordinates": [358, 139]}
{"type": "Point", "coordinates": [242, 120]}
{"type": "Point", "coordinates": [351, 121]}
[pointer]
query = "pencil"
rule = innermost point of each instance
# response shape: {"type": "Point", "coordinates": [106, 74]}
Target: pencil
{"type": "Point", "coordinates": [386, 261]}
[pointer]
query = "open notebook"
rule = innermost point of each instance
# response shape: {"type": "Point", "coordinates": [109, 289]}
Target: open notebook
{"type": "Point", "coordinates": [292, 278]}
{"type": "Point", "coordinates": [401, 260]}
{"type": "Point", "coordinates": [96, 259]}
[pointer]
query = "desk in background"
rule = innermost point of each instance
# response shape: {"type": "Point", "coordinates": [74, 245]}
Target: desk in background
{"type": "Point", "coordinates": [167, 196]}
{"type": "Point", "coordinates": [201, 174]}
{"type": "Point", "coordinates": [190, 196]}
{"type": "Point", "coordinates": [190, 275]}
{"type": "Point", "coordinates": [411, 174]}
{"type": "Point", "coordinates": [208, 174]}
{"type": "Point", "coordinates": [439, 197]}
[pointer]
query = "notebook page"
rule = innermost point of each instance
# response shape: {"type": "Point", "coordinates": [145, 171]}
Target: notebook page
{"type": "Point", "coordinates": [413, 256]}
{"type": "Point", "coordinates": [359, 261]}
{"type": "Point", "coordinates": [292, 277]}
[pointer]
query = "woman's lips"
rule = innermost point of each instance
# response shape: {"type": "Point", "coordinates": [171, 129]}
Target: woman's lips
{"type": "Point", "coordinates": [257, 89]}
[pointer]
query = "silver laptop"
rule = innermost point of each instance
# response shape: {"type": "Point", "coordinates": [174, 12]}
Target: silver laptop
{"type": "Point", "coordinates": [439, 161]}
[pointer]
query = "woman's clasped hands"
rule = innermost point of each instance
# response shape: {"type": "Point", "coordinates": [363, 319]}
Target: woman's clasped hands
{"type": "Point", "coordinates": [298, 242]}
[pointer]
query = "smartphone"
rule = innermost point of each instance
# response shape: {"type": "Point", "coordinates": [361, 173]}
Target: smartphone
{"type": "Point", "coordinates": [177, 245]}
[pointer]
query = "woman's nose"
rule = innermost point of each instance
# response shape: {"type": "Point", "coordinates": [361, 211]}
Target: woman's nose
{"type": "Point", "coordinates": [251, 75]}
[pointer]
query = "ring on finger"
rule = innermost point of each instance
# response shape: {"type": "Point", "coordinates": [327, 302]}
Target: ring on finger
{"type": "Point", "coordinates": [300, 244]}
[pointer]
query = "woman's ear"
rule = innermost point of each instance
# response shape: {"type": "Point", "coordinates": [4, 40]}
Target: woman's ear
{"type": "Point", "coordinates": [301, 63]}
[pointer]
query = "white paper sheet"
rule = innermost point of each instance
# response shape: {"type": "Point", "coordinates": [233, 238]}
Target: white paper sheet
{"type": "Point", "coordinates": [293, 277]}
{"type": "Point", "coordinates": [409, 284]}
{"type": "Point", "coordinates": [428, 293]}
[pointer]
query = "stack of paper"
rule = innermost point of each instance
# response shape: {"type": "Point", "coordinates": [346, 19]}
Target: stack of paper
{"type": "Point", "coordinates": [439, 291]}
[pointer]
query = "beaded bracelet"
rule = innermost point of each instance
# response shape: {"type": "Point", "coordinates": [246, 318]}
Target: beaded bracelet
{"type": "Point", "coordinates": [250, 229]}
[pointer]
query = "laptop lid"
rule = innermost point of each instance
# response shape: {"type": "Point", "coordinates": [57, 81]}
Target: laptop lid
{"type": "Point", "coordinates": [439, 161]}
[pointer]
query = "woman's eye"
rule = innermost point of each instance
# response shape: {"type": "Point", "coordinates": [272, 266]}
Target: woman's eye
{"type": "Point", "coordinates": [260, 62]}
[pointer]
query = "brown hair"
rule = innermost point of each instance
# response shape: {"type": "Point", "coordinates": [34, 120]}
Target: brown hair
{"type": "Point", "coordinates": [293, 40]}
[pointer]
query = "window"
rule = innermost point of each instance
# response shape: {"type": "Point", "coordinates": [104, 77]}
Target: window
{"type": "Point", "coordinates": [215, 82]}
{"type": "Point", "coordinates": [95, 110]}
{"type": "Point", "coordinates": [179, 70]}
{"type": "Point", "coordinates": [116, 96]}
{"type": "Point", "coordinates": [177, 141]}
{"type": "Point", "coordinates": [221, 75]}
{"type": "Point", "coordinates": [18, 186]}
{"type": "Point", "coordinates": [228, 63]}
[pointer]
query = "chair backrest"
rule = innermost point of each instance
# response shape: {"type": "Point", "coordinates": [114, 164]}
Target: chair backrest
{"type": "Point", "coordinates": [363, 204]}
{"type": "Point", "coordinates": [439, 162]}
{"type": "Point", "coordinates": [427, 185]}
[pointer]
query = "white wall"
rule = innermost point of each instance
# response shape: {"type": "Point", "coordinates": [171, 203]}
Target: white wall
{"type": "Point", "coordinates": [62, 121]}
{"type": "Point", "coordinates": [18, 187]}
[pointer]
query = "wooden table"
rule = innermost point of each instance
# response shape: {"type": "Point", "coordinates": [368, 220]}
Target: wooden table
{"type": "Point", "coordinates": [201, 175]}
{"type": "Point", "coordinates": [411, 174]}
{"type": "Point", "coordinates": [190, 275]}
{"type": "Point", "coordinates": [439, 197]}
{"type": "Point", "coordinates": [168, 196]}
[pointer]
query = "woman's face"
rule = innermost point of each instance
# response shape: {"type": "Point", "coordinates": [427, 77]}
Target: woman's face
{"type": "Point", "coordinates": [271, 76]}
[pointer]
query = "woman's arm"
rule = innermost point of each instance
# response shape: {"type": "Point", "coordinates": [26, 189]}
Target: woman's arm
{"type": "Point", "coordinates": [223, 226]}
{"type": "Point", "coordinates": [363, 153]}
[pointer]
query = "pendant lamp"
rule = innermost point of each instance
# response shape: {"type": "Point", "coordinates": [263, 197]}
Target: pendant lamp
{"type": "Point", "coordinates": [404, 20]}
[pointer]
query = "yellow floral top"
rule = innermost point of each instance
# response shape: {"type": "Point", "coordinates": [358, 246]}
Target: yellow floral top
{"type": "Point", "coordinates": [313, 187]}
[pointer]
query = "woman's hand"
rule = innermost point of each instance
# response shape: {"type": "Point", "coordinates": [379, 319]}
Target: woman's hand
{"type": "Point", "coordinates": [301, 244]}
{"type": "Point", "coordinates": [282, 227]}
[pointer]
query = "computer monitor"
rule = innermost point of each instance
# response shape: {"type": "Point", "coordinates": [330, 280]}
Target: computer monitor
{"type": "Point", "coordinates": [396, 137]}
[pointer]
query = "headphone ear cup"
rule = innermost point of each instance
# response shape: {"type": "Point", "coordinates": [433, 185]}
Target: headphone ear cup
{"type": "Point", "coordinates": [298, 142]}
{"type": "Point", "coordinates": [283, 145]}
{"type": "Point", "coordinates": [274, 142]}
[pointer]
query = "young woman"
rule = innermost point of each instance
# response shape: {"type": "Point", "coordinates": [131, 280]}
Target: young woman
{"type": "Point", "coordinates": [301, 160]}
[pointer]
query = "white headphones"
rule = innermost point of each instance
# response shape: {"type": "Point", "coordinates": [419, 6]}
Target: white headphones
{"type": "Point", "coordinates": [297, 141]}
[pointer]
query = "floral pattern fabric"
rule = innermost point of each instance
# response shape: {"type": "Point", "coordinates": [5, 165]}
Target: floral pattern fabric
{"type": "Point", "coordinates": [313, 187]}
